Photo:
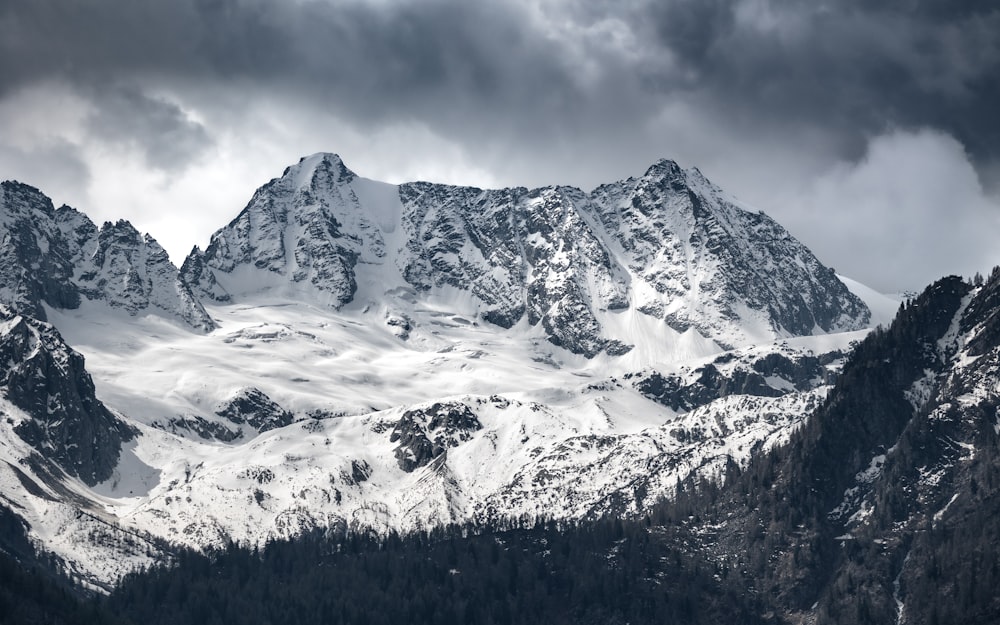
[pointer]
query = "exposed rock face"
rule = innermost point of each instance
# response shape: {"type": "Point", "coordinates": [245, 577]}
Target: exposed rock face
{"type": "Point", "coordinates": [360, 472]}
{"type": "Point", "coordinates": [520, 253]}
{"type": "Point", "coordinates": [204, 428]}
{"type": "Point", "coordinates": [253, 407]}
{"type": "Point", "coordinates": [424, 434]}
{"type": "Point", "coordinates": [709, 263]}
{"type": "Point", "coordinates": [35, 257]}
{"type": "Point", "coordinates": [773, 374]}
{"type": "Point", "coordinates": [56, 256]}
{"type": "Point", "coordinates": [46, 379]}
{"type": "Point", "coordinates": [669, 244]}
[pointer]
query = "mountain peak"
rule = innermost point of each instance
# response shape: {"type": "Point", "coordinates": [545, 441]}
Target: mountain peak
{"type": "Point", "coordinates": [321, 167]}
{"type": "Point", "coordinates": [18, 197]}
{"type": "Point", "coordinates": [301, 229]}
{"type": "Point", "coordinates": [663, 167]}
{"type": "Point", "coordinates": [121, 229]}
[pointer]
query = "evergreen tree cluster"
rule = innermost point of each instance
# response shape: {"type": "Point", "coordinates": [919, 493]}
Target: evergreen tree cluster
{"type": "Point", "coordinates": [33, 591]}
{"type": "Point", "coordinates": [29, 595]}
{"type": "Point", "coordinates": [607, 572]}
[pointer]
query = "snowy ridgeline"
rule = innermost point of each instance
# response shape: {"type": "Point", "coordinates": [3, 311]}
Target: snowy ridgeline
{"type": "Point", "coordinates": [599, 272]}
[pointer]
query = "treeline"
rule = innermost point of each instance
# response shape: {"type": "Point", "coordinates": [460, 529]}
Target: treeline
{"type": "Point", "coordinates": [606, 572]}
{"type": "Point", "coordinates": [32, 589]}
{"type": "Point", "coordinates": [31, 595]}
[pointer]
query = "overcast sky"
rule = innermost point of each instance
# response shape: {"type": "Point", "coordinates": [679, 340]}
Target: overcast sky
{"type": "Point", "coordinates": [869, 128]}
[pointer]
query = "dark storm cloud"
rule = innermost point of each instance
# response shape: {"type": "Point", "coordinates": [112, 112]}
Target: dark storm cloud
{"type": "Point", "coordinates": [855, 69]}
{"type": "Point", "coordinates": [772, 94]}
{"type": "Point", "coordinates": [156, 127]}
{"type": "Point", "coordinates": [467, 64]}
{"type": "Point", "coordinates": [468, 69]}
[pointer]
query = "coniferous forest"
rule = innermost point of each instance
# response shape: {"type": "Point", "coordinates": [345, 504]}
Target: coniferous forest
{"type": "Point", "coordinates": [601, 573]}
{"type": "Point", "coordinates": [605, 572]}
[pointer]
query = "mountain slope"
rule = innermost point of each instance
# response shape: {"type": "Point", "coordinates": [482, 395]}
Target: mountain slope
{"type": "Point", "coordinates": [470, 427]}
{"type": "Point", "coordinates": [882, 508]}
{"type": "Point", "coordinates": [712, 265]}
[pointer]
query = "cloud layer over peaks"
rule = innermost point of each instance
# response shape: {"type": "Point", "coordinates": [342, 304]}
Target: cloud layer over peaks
{"type": "Point", "coordinates": [767, 97]}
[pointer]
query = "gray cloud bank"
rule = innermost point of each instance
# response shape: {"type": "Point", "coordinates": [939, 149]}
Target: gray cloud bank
{"type": "Point", "coordinates": [755, 92]}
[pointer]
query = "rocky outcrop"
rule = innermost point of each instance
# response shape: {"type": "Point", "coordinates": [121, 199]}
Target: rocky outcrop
{"type": "Point", "coordinates": [35, 258]}
{"type": "Point", "coordinates": [424, 434]}
{"type": "Point", "coordinates": [773, 374]}
{"type": "Point", "coordinates": [47, 380]}
{"type": "Point", "coordinates": [253, 407]}
{"type": "Point", "coordinates": [203, 428]}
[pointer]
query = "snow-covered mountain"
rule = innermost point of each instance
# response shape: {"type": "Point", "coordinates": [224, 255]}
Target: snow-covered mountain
{"type": "Point", "coordinates": [383, 356]}
{"type": "Point", "coordinates": [668, 245]}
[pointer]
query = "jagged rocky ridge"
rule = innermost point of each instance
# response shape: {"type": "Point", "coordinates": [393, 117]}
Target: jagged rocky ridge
{"type": "Point", "coordinates": [56, 256]}
{"type": "Point", "coordinates": [669, 244]}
